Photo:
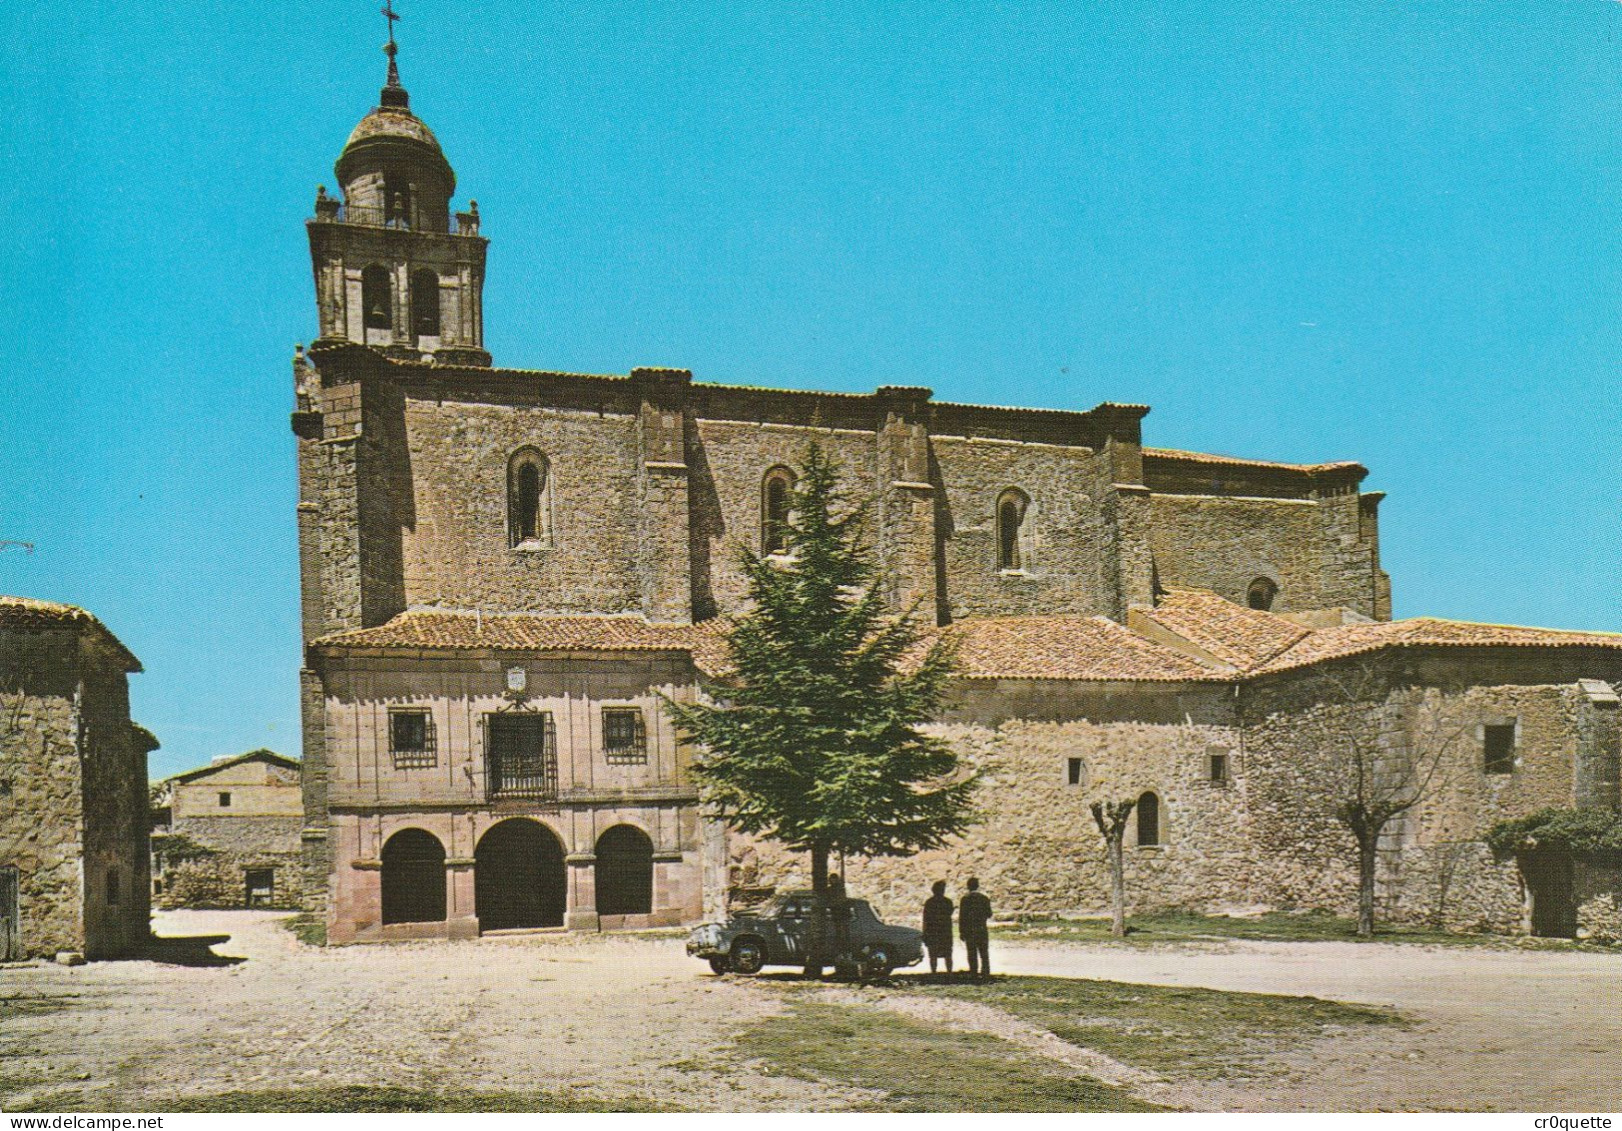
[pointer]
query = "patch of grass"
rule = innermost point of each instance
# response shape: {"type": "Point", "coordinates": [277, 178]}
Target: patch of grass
{"type": "Point", "coordinates": [363, 1098]}
{"type": "Point", "coordinates": [1274, 926]}
{"type": "Point", "coordinates": [311, 930]}
{"type": "Point", "coordinates": [1176, 1031]}
{"type": "Point", "coordinates": [35, 1005]}
{"type": "Point", "coordinates": [918, 1068]}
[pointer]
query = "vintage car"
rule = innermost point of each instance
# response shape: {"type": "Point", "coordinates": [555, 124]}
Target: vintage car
{"type": "Point", "coordinates": [776, 936]}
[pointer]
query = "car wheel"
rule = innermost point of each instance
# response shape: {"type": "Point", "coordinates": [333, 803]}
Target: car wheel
{"type": "Point", "coordinates": [720, 965]}
{"type": "Point", "coordinates": [748, 956]}
{"type": "Point", "coordinates": [877, 963]}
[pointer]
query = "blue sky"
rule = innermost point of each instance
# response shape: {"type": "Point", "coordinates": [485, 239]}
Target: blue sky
{"type": "Point", "coordinates": [1383, 232]}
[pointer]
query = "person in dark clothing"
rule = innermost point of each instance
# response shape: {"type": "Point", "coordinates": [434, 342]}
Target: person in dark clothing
{"type": "Point", "coordinates": [827, 935]}
{"type": "Point", "coordinates": [938, 927]}
{"type": "Point", "coordinates": [836, 929]}
{"type": "Point", "coordinates": [973, 915]}
{"type": "Point", "coordinates": [815, 959]}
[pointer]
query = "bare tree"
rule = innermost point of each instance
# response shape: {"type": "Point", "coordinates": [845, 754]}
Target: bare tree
{"type": "Point", "coordinates": [1393, 742]}
{"type": "Point", "coordinates": [1111, 818]}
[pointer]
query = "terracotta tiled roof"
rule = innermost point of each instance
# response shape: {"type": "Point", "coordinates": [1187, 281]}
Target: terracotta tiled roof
{"type": "Point", "coordinates": [434, 629]}
{"type": "Point", "coordinates": [1086, 648]}
{"type": "Point", "coordinates": [1427, 632]}
{"type": "Point", "coordinates": [1234, 634]}
{"type": "Point", "coordinates": [1025, 647]}
{"type": "Point", "coordinates": [29, 612]}
{"type": "Point", "coordinates": [1236, 461]}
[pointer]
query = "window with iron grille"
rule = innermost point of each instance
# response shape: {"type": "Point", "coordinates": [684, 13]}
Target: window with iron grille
{"type": "Point", "coordinates": [625, 736]}
{"type": "Point", "coordinates": [521, 752]}
{"type": "Point", "coordinates": [411, 740]}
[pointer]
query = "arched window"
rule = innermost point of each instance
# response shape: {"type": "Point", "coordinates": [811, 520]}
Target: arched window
{"type": "Point", "coordinates": [1148, 820]}
{"type": "Point", "coordinates": [425, 303]}
{"type": "Point", "coordinates": [624, 872]}
{"type": "Point", "coordinates": [527, 483]}
{"type": "Point", "coordinates": [1013, 508]}
{"type": "Point", "coordinates": [776, 495]}
{"type": "Point", "coordinates": [413, 878]}
{"type": "Point", "coordinates": [1261, 593]}
{"type": "Point", "coordinates": [375, 300]}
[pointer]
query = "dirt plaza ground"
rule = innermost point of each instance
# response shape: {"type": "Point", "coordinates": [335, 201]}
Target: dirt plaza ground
{"type": "Point", "coordinates": [630, 1021]}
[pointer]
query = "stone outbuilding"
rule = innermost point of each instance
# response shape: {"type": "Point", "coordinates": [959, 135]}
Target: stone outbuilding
{"type": "Point", "coordinates": [73, 787]}
{"type": "Point", "coordinates": [1239, 732]}
{"type": "Point", "coordinates": [227, 834]}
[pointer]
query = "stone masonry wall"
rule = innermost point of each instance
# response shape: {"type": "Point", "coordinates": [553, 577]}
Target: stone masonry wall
{"type": "Point", "coordinates": [1071, 566]}
{"type": "Point", "coordinates": [726, 490]}
{"type": "Point", "coordinates": [41, 803]}
{"type": "Point", "coordinates": [73, 794]}
{"type": "Point", "coordinates": [1300, 735]}
{"type": "Point", "coordinates": [209, 871]}
{"type": "Point", "coordinates": [456, 548]}
{"type": "Point", "coordinates": [117, 813]}
{"type": "Point", "coordinates": [1223, 544]}
{"type": "Point", "coordinates": [1036, 849]}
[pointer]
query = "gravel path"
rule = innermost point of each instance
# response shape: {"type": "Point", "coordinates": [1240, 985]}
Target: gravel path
{"type": "Point", "coordinates": [619, 1017]}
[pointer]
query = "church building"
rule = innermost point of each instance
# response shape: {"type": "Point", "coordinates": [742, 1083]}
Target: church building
{"type": "Point", "coordinates": [503, 570]}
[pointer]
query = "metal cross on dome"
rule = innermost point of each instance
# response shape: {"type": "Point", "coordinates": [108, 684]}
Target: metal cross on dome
{"type": "Point", "coordinates": [391, 15]}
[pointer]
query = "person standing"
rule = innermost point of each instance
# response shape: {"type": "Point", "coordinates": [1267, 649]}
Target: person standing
{"type": "Point", "coordinates": [827, 935]}
{"type": "Point", "coordinates": [973, 917]}
{"type": "Point", "coordinates": [836, 927]}
{"type": "Point", "coordinates": [938, 927]}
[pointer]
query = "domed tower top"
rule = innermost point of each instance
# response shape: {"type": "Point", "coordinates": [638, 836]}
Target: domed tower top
{"type": "Point", "coordinates": [392, 170]}
{"type": "Point", "coordinates": [391, 272]}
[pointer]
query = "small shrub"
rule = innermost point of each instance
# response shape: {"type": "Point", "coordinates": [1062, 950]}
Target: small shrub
{"type": "Point", "coordinates": [1581, 832]}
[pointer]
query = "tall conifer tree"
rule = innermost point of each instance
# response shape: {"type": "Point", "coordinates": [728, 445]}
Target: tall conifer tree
{"type": "Point", "coordinates": [813, 739]}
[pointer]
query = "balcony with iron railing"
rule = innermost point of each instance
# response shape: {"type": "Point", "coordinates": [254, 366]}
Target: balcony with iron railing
{"type": "Point", "coordinates": [331, 210]}
{"type": "Point", "coordinates": [522, 759]}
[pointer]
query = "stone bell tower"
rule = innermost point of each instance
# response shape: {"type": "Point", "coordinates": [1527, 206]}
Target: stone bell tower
{"type": "Point", "coordinates": [391, 270]}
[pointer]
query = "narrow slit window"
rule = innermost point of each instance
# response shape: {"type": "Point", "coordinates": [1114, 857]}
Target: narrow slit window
{"type": "Point", "coordinates": [777, 492]}
{"type": "Point", "coordinates": [396, 202]}
{"type": "Point", "coordinates": [1074, 771]}
{"type": "Point", "coordinates": [1148, 820]}
{"type": "Point", "coordinates": [425, 303]}
{"type": "Point", "coordinates": [527, 486]}
{"type": "Point", "coordinates": [1013, 511]}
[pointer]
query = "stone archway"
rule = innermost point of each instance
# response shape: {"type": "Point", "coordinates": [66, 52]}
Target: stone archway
{"type": "Point", "coordinates": [518, 876]}
{"type": "Point", "coordinates": [413, 878]}
{"type": "Point", "coordinates": [624, 872]}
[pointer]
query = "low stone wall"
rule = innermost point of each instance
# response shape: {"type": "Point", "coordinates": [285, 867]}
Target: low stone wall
{"type": "Point", "coordinates": [203, 861]}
